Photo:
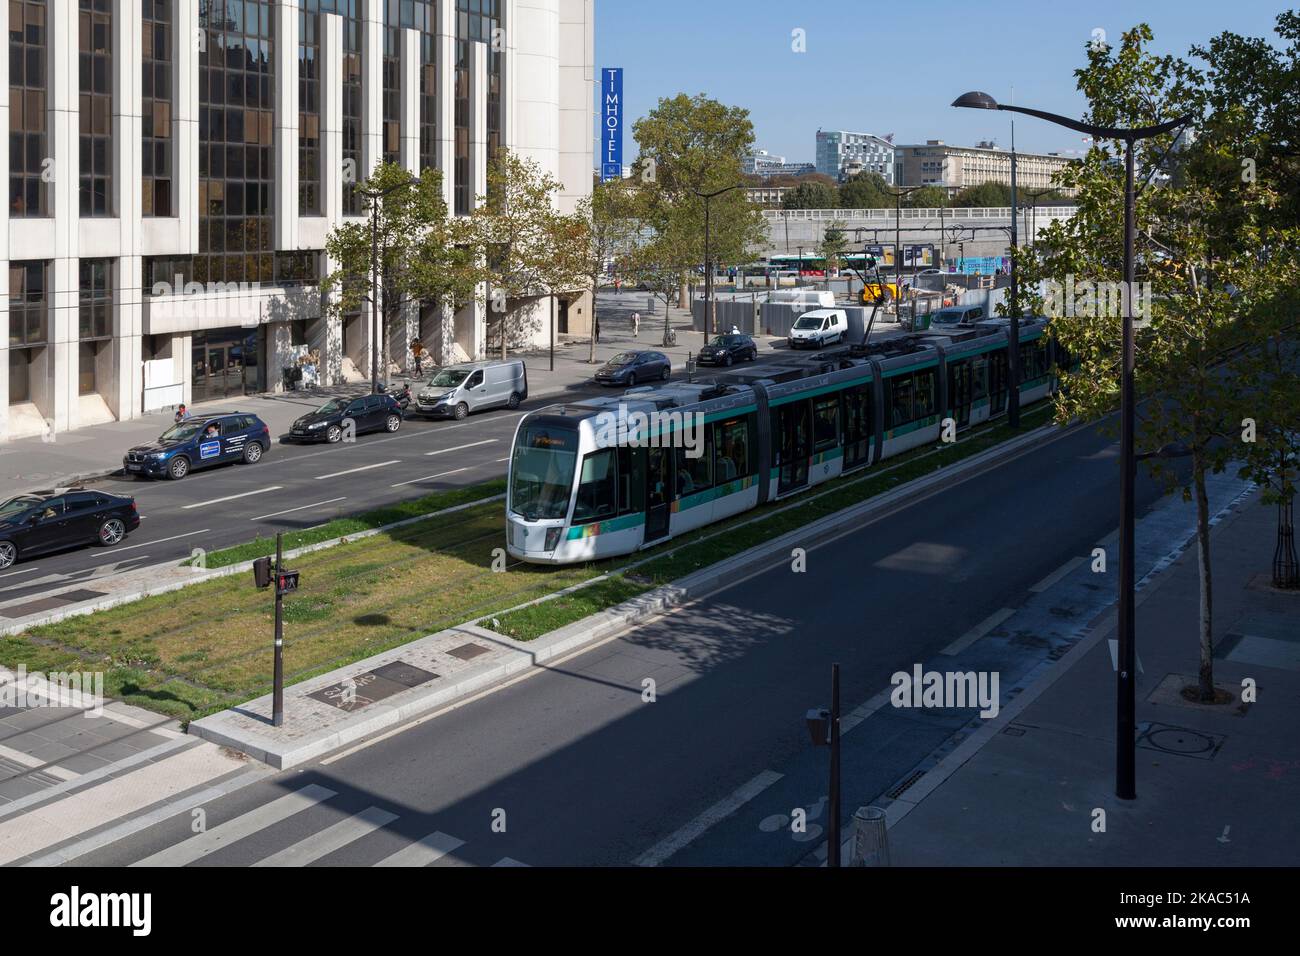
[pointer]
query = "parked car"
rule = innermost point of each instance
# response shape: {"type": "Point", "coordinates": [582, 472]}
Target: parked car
{"type": "Point", "coordinates": [818, 328]}
{"type": "Point", "coordinates": [631, 368]}
{"type": "Point", "coordinates": [457, 390]}
{"type": "Point", "coordinates": [725, 349]}
{"type": "Point", "coordinates": [200, 442]}
{"type": "Point", "coordinates": [43, 521]}
{"type": "Point", "coordinates": [329, 423]}
{"type": "Point", "coordinates": [957, 315]}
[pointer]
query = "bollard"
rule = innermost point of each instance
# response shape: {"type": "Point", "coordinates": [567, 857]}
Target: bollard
{"type": "Point", "coordinates": [870, 837]}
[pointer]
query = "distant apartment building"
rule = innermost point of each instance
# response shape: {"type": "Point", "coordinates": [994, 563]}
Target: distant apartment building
{"type": "Point", "coordinates": [935, 163]}
{"type": "Point", "coordinates": [841, 154]}
{"type": "Point", "coordinates": [762, 163]}
{"type": "Point", "coordinates": [768, 197]}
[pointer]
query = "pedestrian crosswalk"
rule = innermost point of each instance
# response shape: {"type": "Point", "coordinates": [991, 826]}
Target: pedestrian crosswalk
{"type": "Point", "coordinates": [346, 834]}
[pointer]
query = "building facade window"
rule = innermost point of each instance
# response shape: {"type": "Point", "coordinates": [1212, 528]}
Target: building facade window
{"type": "Point", "coordinates": [95, 78]}
{"type": "Point", "coordinates": [402, 15]}
{"type": "Point", "coordinates": [28, 129]}
{"type": "Point", "coordinates": [28, 326]}
{"type": "Point", "coordinates": [476, 21]}
{"type": "Point", "coordinates": [156, 158]}
{"type": "Point", "coordinates": [309, 109]}
{"type": "Point", "coordinates": [236, 138]}
{"type": "Point", "coordinates": [297, 268]}
{"type": "Point", "coordinates": [95, 319]}
{"type": "Point", "coordinates": [351, 109]}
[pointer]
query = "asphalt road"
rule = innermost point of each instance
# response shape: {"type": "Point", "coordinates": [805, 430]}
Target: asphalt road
{"type": "Point", "coordinates": [581, 770]}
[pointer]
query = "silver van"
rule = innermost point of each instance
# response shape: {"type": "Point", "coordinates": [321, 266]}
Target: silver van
{"type": "Point", "coordinates": [456, 390]}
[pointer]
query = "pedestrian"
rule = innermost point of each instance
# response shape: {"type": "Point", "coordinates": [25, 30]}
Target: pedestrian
{"type": "Point", "coordinates": [182, 413]}
{"type": "Point", "coordinates": [636, 324]}
{"type": "Point", "coordinates": [735, 330]}
{"type": "Point", "coordinates": [597, 321]}
{"type": "Point", "coordinates": [417, 351]}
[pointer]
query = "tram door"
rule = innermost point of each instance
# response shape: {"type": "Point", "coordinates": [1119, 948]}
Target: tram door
{"type": "Point", "coordinates": [658, 497]}
{"type": "Point", "coordinates": [959, 392]}
{"type": "Point", "coordinates": [997, 382]}
{"type": "Point", "coordinates": [795, 441]}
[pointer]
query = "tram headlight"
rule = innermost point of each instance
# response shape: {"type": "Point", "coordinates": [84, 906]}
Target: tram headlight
{"type": "Point", "coordinates": [552, 538]}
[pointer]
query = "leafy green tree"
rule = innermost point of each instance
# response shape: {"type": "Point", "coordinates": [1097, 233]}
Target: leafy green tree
{"type": "Point", "coordinates": [422, 251]}
{"type": "Point", "coordinates": [811, 196]}
{"type": "Point", "coordinates": [988, 194]}
{"type": "Point", "coordinates": [866, 191]}
{"type": "Point", "coordinates": [833, 245]}
{"type": "Point", "coordinates": [612, 233]}
{"type": "Point", "coordinates": [927, 197]}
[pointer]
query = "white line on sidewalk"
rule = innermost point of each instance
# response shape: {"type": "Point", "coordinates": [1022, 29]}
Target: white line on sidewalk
{"type": "Point", "coordinates": [1059, 573]}
{"type": "Point", "coordinates": [246, 824]}
{"type": "Point", "coordinates": [978, 631]}
{"type": "Point", "coordinates": [719, 811]}
{"type": "Point", "coordinates": [415, 481]}
{"type": "Point", "coordinates": [23, 571]}
{"type": "Point", "coordinates": [435, 846]}
{"type": "Point", "coordinates": [245, 494]}
{"type": "Point", "coordinates": [330, 839]}
{"type": "Point", "coordinates": [276, 514]}
{"type": "Point", "coordinates": [475, 444]}
{"type": "Point", "coordinates": [353, 471]}
{"type": "Point", "coordinates": [146, 544]}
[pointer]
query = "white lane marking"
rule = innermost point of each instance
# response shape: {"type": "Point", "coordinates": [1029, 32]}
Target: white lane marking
{"type": "Point", "coordinates": [245, 494]}
{"type": "Point", "coordinates": [246, 824]}
{"type": "Point", "coordinates": [353, 471]}
{"type": "Point", "coordinates": [978, 631]}
{"type": "Point", "coordinates": [475, 444]}
{"type": "Point", "coordinates": [724, 808]}
{"type": "Point", "coordinates": [1059, 573]}
{"type": "Point", "coordinates": [277, 514]}
{"type": "Point", "coordinates": [330, 839]}
{"type": "Point", "coordinates": [23, 571]}
{"type": "Point", "coordinates": [146, 544]}
{"type": "Point", "coordinates": [435, 846]}
{"type": "Point", "coordinates": [415, 481]}
{"type": "Point", "coordinates": [500, 460]}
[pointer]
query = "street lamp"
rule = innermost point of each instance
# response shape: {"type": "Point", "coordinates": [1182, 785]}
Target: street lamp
{"type": "Point", "coordinates": [899, 192]}
{"type": "Point", "coordinates": [708, 269]}
{"type": "Point", "coordinates": [374, 195]}
{"type": "Point", "coordinates": [1126, 686]}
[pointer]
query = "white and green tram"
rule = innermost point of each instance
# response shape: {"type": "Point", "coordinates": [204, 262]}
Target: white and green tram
{"type": "Point", "coordinates": [611, 475]}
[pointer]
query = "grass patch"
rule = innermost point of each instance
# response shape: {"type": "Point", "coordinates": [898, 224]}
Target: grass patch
{"type": "Point", "coordinates": [208, 647]}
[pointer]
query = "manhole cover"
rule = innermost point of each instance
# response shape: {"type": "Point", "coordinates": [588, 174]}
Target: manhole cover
{"type": "Point", "coordinates": [372, 686]}
{"type": "Point", "coordinates": [402, 673]}
{"type": "Point", "coordinates": [1179, 741]}
{"type": "Point", "coordinates": [467, 652]}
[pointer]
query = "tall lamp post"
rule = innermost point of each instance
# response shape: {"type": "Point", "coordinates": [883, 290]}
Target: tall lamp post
{"type": "Point", "coordinates": [899, 192]}
{"type": "Point", "coordinates": [1126, 686]}
{"type": "Point", "coordinates": [374, 195]}
{"type": "Point", "coordinates": [708, 266]}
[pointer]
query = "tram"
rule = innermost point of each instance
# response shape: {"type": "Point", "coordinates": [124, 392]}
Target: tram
{"type": "Point", "coordinates": [611, 475]}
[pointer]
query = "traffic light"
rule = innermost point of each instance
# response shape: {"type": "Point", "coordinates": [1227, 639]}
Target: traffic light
{"type": "Point", "coordinates": [262, 572]}
{"type": "Point", "coordinates": [287, 581]}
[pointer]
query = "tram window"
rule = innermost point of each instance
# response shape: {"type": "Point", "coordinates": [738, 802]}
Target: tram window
{"type": "Point", "coordinates": [731, 449]}
{"type": "Point", "coordinates": [826, 422]}
{"type": "Point", "coordinates": [979, 368]}
{"type": "Point", "coordinates": [631, 479]}
{"type": "Point", "coordinates": [923, 392]}
{"type": "Point", "coordinates": [695, 474]}
{"type": "Point", "coordinates": [900, 399]}
{"type": "Point", "coordinates": [857, 414]}
{"type": "Point", "coordinates": [597, 488]}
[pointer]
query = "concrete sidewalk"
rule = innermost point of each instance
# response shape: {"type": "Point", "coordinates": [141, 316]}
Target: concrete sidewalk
{"type": "Point", "coordinates": [1216, 785]}
{"type": "Point", "coordinates": [64, 458]}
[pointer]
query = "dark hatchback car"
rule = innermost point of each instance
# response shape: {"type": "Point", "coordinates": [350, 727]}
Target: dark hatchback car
{"type": "Point", "coordinates": [43, 521]}
{"type": "Point", "coordinates": [632, 368]}
{"type": "Point", "coordinates": [200, 442]}
{"type": "Point", "coordinates": [369, 413]}
{"type": "Point", "coordinates": [725, 349]}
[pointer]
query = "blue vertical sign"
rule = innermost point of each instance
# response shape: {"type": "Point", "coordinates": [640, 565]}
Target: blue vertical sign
{"type": "Point", "coordinates": [611, 124]}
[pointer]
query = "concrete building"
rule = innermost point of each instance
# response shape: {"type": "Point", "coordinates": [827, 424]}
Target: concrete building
{"type": "Point", "coordinates": [175, 168]}
{"type": "Point", "coordinates": [769, 197]}
{"type": "Point", "coordinates": [762, 163]}
{"type": "Point", "coordinates": [841, 154]}
{"type": "Point", "coordinates": [935, 163]}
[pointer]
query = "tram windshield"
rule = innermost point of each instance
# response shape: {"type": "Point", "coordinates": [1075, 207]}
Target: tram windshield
{"type": "Point", "coordinates": [541, 472]}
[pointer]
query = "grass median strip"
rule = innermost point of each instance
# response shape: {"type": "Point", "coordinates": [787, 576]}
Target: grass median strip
{"type": "Point", "coordinates": [208, 647]}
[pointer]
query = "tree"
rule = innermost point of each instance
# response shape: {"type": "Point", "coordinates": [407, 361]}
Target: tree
{"type": "Point", "coordinates": [927, 197]}
{"type": "Point", "coordinates": [613, 230]}
{"type": "Point", "coordinates": [1195, 255]}
{"type": "Point", "coordinates": [422, 251]}
{"type": "Point", "coordinates": [833, 245]}
{"type": "Point", "coordinates": [811, 196]}
{"type": "Point", "coordinates": [866, 191]}
{"type": "Point", "coordinates": [526, 249]}
{"type": "Point", "coordinates": [985, 194]}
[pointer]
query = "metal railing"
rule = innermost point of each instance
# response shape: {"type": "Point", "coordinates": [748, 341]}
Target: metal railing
{"type": "Point", "coordinates": [973, 212]}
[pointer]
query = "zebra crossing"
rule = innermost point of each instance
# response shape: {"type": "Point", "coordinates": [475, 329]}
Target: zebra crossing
{"type": "Point", "coordinates": [290, 810]}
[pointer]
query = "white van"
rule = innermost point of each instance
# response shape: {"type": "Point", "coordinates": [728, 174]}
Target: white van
{"type": "Point", "coordinates": [819, 327]}
{"type": "Point", "coordinates": [813, 298]}
{"type": "Point", "coordinates": [457, 390]}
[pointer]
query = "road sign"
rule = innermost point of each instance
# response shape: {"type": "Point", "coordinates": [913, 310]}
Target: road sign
{"type": "Point", "coordinates": [611, 124]}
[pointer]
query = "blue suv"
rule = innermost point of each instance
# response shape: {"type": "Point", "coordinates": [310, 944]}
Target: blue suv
{"type": "Point", "coordinates": [198, 443]}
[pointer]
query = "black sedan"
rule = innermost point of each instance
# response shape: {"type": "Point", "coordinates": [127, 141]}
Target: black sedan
{"type": "Point", "coordinates": [330, 422]}
{"type": "Point", "coordinates": [633, 368]}
{"type": "Point", "coordinates": [49, 520]}
{"type": "Point", "coordinates": [725, 349]}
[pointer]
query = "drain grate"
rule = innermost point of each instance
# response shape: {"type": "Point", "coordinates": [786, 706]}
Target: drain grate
{"type": "Point", "coordinates": [1179, 741]}
{"type": "Point", "coordinates": [905, 784]}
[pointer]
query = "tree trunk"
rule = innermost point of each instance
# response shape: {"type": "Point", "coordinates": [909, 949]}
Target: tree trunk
{"type": "Point", "coordinates": [1206, 683]}
{"type": "Point", "coordinates": [595, 286]}
{"type": "Point", "coordinates": [505, 314]}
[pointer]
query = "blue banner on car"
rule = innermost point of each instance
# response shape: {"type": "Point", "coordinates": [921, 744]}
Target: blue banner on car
{"type": "Point", "coordinates": [210, 449]}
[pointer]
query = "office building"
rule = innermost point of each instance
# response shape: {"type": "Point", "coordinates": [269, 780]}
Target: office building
{"type": "Point", "coordinates": [841, 154]}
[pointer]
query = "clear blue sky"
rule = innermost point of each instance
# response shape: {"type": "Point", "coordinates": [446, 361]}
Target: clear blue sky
{"type": "Point", "coordinates": [887, 67]}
